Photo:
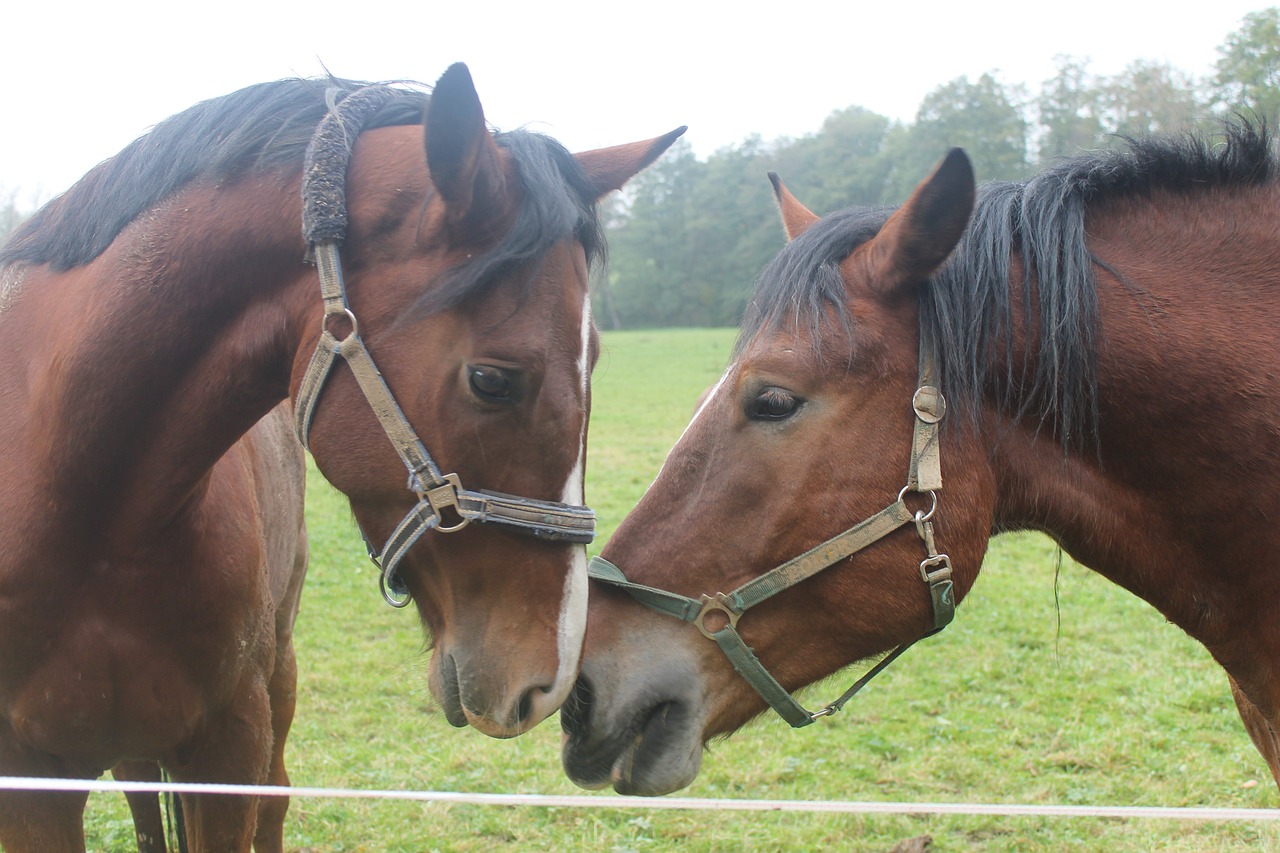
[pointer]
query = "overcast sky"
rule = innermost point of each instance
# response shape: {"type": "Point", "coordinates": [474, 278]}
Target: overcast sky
{"type": "Point", "coordinates": [81, 80]}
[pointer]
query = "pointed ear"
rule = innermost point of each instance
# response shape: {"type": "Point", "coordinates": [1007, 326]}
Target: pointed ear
{"type": "Point", "coordinates": [920, 235]}
{"type": "Point", "coordinates": [607, 169]}
{"type": "Point", "coordinates": [796, 218]}
{"type": "Point", "coordinates": [462, 157]}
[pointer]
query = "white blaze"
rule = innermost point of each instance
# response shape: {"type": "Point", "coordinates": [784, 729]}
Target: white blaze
{"type": "Point", "coordinates": [573, 607]}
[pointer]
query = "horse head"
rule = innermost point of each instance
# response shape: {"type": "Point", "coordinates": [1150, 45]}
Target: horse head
{"type": "Point", "coordinates": [465, 266]}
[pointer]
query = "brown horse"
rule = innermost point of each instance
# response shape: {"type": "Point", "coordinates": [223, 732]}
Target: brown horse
{"type": "Point", "coordinates": [1102, 334]}
{"type": "Point", "coordinates": [159, 322]}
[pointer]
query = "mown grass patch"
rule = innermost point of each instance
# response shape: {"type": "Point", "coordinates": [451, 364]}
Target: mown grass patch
{"type": "Point", "coordinates": [1083, 697]}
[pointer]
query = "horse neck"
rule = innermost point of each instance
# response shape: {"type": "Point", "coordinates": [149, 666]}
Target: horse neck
{"type": "Point", "coordinates": [1151, 504]}
{"type": "Point", "coordinates": [148, 363]}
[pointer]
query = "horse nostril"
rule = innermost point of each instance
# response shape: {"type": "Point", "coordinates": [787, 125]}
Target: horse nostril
{"type": "Point", "coordinates": [525, 708]}
{"type": "Point", "coordinates": [451, 692]}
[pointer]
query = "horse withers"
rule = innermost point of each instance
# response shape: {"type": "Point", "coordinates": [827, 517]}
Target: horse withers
{"type": "Point", "coordinates": [160, 320]}
{"type": "Point", "coordinates": [1086, 354]}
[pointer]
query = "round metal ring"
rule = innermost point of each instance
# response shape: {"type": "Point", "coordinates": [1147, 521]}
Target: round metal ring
{"type": "Point", "coordinates": [933, 506]}
{"type": "Point", "coordinates": [351, 318]}
{"type": "Point", "coordinates": [388, 594]}
{"type": "Point", "coordinates": [921, 400]}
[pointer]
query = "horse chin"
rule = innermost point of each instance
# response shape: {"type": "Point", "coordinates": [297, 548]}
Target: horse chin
{"type": "Point", "coordinates": [659, 751]}
{"type": "Point", "coordinates": [664, 757]}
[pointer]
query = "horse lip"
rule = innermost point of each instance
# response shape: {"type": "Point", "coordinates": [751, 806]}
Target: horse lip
{"type": "Point", "coordinates": [652, 739]}
{"type": "Point", "coordinates": [625, 760]}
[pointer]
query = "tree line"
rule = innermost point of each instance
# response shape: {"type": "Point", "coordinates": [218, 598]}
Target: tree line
{"type": "Point", "coordinates": [689, 235]}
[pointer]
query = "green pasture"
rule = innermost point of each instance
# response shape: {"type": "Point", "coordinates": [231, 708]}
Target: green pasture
{"type": "Point", "coordinates": [1052, 686]}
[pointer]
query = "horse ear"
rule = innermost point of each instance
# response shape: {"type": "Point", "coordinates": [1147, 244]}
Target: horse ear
{"type": "Point", "coordinates": [920, 235]}
{"type": "Point", "coordinates": [796, 218]}
{"type": "Point", "coordinates": [607, 169]}
{"type": "Point", "coordinates": [462, 157]}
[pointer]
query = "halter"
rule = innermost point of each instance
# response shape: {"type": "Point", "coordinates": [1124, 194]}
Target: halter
{"type": "Point", "coordinates": [443, 504]}
{"type": "Point", "coordinates": [924, 477]}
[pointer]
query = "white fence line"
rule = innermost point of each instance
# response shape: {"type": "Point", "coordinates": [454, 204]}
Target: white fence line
{"type": "Point", "coordinates": [587, 801]}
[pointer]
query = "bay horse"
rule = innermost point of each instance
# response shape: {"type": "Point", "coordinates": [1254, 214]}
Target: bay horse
{"type": "Point", "coordinates": [168, 340]}
{"type": "Point", "coordinates": [1089, 354]}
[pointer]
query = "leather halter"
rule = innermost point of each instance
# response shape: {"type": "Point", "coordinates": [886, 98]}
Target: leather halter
{"type": "Point", "coordinates": [924, 477]}
{"type": "Point", "coordinates": [443, 504]}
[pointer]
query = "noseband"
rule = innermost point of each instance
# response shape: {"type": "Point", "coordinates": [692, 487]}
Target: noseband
{"type": "Point", "coordinates": [443, 504]}
{"type": "Point", "coordinates": [924, 477]}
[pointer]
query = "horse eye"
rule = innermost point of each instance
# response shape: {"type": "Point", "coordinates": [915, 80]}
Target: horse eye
{"type": "Point", "coordinates": [492, 384]}
{"type": "Point", "coordinates": [774, 404]}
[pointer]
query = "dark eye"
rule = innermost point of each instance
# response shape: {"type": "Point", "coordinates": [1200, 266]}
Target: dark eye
{"type": "Point", "coordinates": [773, 404]}
{"type": "Point", "coordinates": [492, 384]}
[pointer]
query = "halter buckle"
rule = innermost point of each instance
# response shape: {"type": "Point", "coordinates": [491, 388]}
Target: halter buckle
{"type": "Point", "coordinates": [718, 602]}
{"type": "Point", "coordinates": [929, 404]}
{"type": "Point", "coordinates": [443, 496]}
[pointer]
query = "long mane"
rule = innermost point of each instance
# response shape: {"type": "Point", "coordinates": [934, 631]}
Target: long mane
{"type": "Point", "coordinates": [267, 127]}
{"type": "Point", "coordinates": [261, 127]}
{"type": "Point", "coordinates": [966, 308]}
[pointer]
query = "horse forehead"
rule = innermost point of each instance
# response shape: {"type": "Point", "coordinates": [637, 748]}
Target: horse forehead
{"type": "Point", "coordinates": [790, 349]}
{"type": "Point", "coordinates": [552, 311]}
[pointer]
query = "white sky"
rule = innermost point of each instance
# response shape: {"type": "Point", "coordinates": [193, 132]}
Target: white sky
{"type": "Point", "coordinates": [83, 79]}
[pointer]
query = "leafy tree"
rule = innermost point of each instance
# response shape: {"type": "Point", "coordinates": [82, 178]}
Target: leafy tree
{"type": "Point", "coordinates": [689, 236]}
{"type": "Point", "coordinates": [984, 117]}
{"type": "Point", "coordinates": [1151, 97]}
{"type": "Point", "coordinates": [1248, 66]}
{"type": "Point", "coordinates": [733, 232]}
{"type": "Point", "coordinates": [1070, 108]}
{"type": "Point", "coordinates": [839, 166]}
{"type": "Point", "coordinates": [650, 276]}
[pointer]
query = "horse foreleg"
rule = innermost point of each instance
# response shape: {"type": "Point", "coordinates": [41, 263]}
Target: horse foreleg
{"type": "Point", "coordinates": [35, 821]}
{"type": "Point", "coordinates": [40, 822]}
{"type": "Point", "coordinates": [148, 821]}
{"type": "Point", "coordinates": [1260, 728]}
{"type": "Point", "coordinates": [271, 812]}
{"type": "Point", "coordinates": [234, 749]}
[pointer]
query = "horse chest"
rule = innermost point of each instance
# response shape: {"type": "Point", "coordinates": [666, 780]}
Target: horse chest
{"type": "Point", "coordinates": [104, 671]}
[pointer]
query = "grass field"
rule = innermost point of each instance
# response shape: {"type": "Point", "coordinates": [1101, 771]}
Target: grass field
{"type": "Point", "coordinates": [1089, 699]}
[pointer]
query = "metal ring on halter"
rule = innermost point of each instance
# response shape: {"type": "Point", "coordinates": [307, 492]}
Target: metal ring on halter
{"type": "Point", "coordinates": [351, 318]}
{"type": "Point", "coordinates": [933, 507]}
{"type": "Point", "coordinates": [718, 603]}
{"type": "Point", "coordinates": [385, 585]}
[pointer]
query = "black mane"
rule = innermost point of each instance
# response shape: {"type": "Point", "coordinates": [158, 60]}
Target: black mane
{"type": "Point", "coordinates": [966, 309]}
{"type": "Point", "coordinates": [268, 126]}
{"type": "Point", "coordinates": [559, 202]}
{"type": "Point", "coordinates": [260, 127]}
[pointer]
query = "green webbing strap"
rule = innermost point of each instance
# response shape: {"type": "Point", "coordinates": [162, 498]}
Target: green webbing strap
{"type": "Point", "coordinates": [827, 554]}
{"type": "Point", "coordinates": [749, 667]}
{"type": "Point", "coordinates": [684, 609]}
